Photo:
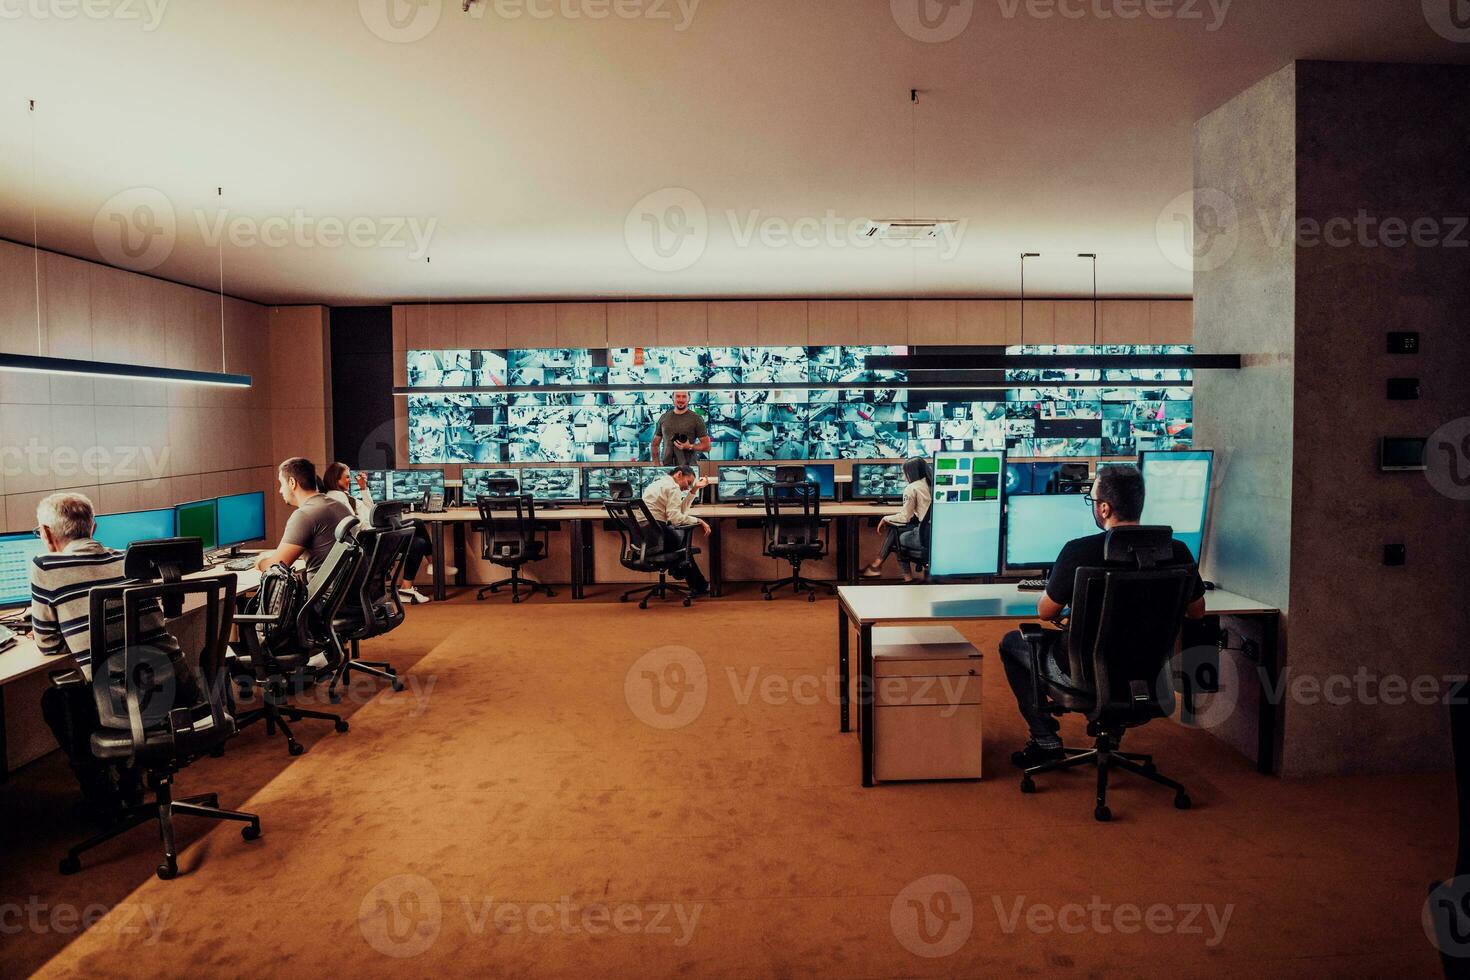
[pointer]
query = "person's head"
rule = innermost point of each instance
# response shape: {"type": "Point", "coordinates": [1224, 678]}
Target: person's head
{"type": "Point", "coordinates": [916, 468]}
{"type": "Point", "coordinates": [681, 401]}
{"type": "Point", "coordinates": [336, 477]}
{"type": "Point", "coordinates": [684, 476]}
{"type": "Point", "coordinates": [298, 480]}
{"type": "Point", "coordinates": [63, 518]}
{"type": "Point", "coordinates": [1117, 496]}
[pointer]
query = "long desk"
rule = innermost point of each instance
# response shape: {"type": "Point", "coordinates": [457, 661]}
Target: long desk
{"type": "Point", "coordinates": [25, 659]}
{"type": "Point", "coordinates": [867, 606]}
{"type": "Point", "coordinates": [847, 517]}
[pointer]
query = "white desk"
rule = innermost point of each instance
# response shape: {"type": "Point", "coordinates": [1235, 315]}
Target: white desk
{"type": "Point", "coordinates": [867, 606]}
{"type": "Point", "coordinates": [25, 659]}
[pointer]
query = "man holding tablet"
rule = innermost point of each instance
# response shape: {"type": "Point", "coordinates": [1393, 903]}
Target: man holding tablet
{"type": "Point", "coordinates": [1117, 501]}
{"type": "Point", "coordinates": [682, 433]}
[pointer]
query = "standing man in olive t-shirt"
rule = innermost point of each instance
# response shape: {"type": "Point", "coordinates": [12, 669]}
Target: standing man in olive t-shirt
{"type": "Point", "coordinates": [682, 434]}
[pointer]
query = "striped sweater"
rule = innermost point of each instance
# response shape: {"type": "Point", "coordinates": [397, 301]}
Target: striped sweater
{"type": "Point", "coordinates": [60, 604]}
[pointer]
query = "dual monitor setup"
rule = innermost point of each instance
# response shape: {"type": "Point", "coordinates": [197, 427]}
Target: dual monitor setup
{"type": "Point", "coordinates": [218, 522]}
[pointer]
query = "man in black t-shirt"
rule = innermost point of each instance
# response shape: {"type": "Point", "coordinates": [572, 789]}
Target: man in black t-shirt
{"type": "Point", "coordinates": [1117, 501]}
{"type": "Point", "coordinates": [682, 434]}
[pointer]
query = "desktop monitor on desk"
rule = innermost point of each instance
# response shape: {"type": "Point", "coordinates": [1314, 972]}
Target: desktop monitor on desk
{"type": "Point", "coordinates": [553, 485]}
{"type": "Point", "coordinates": [966, 522]}
{"type": "Point", "coordinates": [878, 481]}
{"type": "Point", "coordinates": [403, 484]}
{"type": "Point", "coordinates": [241, 518]}
{"type": "Point", "coordinates": [16, 552]}
{"type": "Point", "coordinates": [117, 531]}
{"type": "Point", "coordinates": [198, 519]}
{"type": "Point", "coordinates": [475, 483]}
{"type": "Point", "coordinates": [1177, 493]}
{"type": "Point", "coordinates": [745, 484]}
{"type": "Point", "coordinates": [1039, 525]}
{"type": "Point", "coordinates": [595, 480]}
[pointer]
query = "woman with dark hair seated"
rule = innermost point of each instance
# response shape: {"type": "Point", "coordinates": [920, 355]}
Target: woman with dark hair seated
{"type": "Point", "coordinates": [917, 496]}
{"type": "Point", "coordinates": [337, 482]}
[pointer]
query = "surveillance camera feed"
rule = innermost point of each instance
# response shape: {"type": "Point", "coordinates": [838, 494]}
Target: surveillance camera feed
{"type": "Point", "coordinates": [530, 407]}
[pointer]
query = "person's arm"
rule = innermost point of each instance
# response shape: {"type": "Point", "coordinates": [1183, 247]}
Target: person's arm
{"type": "Point", "coordinates": [1196, 609]}
{"type": "Point", "coordinates": [284, 554]}
{"type": "Point", "coordinates": [45, 630]}
{"type": "Point", "coordinates": [1058, 594]}
{"type": "Point", "coordinates": [910, 507]}
{"type": "Point", "coordinates": [657, 437]}
{"type": "Point", "coordinates": [704, 442]}
{"type": "Point", "coordinates": [1049, 609]}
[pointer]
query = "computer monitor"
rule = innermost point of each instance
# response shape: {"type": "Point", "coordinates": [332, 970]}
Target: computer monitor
{"type": "Point", "coordinates": [474, 482]}
{"type": "Point", "coordinates": [595, 480]}
{"type": "Point", "coordinates": [16, 552]}
{"type": "Point", "coordinates": [241, 518]}
{"type": "Point", "coordinates": [117, 531]}
{"type": "Point", "coordinates": [1038, 525]}
{"type": "Point", "coordinates": [878, 481]}
{"type": "Point", "coordinates": [1177, 493]}
{"type": "Point", "coordinates": [197, 519]}
{"type": "Point", "coordinates": [403, 484]}
{"type": "Point", "coordinates": [745, 483]}
{"type": "Point", "coordinates": [562, 484]}
{"type": "Point", "coordinates": [968, 497]}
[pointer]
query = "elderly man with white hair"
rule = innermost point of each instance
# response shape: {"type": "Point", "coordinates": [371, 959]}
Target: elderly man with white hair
{"type": "Point", "coordinates": [62, 579]}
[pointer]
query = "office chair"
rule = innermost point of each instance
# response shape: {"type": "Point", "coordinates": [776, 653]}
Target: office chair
{"type": "Point", "coordinates": [918, 557]}
{"type": "Point", "coordinates": [290, 623]}
{"type": "Point", "coordinates": [620, 489]}
{"type": "Point", "coordinates": [643, 549]}
{"type": "Point", "coordinates": [372, 606]}
{"type": "Point", "coordinates": [138, 686]}
{"type": "Point", "coordinates": [1125, 623]}
{"type": "Point", "coordinates": [508, 529]}
{"type": "Point", "coordinates": [796, 532]}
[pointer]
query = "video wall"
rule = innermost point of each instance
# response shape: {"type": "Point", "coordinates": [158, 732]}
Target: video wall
{"type": "Point", "coordinates": [841, 411]}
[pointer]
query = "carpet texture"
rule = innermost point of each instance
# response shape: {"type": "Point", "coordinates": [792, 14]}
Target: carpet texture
{"type": "Point", "coordinates": [587, 789]}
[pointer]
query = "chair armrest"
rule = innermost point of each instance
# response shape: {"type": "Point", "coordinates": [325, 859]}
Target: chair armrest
{"type": "Point", "coordinates": [1037, 637]}
{"type": "Point", "coordinates": [264, 618]}
{"type": "Point", "coordinates": [66, 677]}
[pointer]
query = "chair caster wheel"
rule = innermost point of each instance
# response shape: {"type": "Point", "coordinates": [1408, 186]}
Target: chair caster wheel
{"type": "Point", "coordinates": [1183, 802]}
{"type": "Point", "coordinates": [294, 748]}
{"type": "Point", "coordinates": [812, 597]}
{"type": "Point", "coordinates": [333, 697]}
{"type": "Point", "coordinates": [1028, 785]}
{"type": "Point", "coordinates": [643, 604]}
{"type": "Point", "coordinates": [688, 603]}
{"type": "Point", "coordinates": [769, 597]}
{"type": "Point", "coordinates": [1149, 768]}
{"type": "Point", "coordinates": [622, 598]}
{"type": "Point", "coordinates": [70, 865]}
{"type": "Point", "coordinates": [550, 594]}
{"type": "Point", "coordinates": [218, 752]}
{"type": "Point", "coordinates": [341, 727]}
{"type": "Point", "coordinates": [167, 871]}
{"type": "Point", "coordinates": [250, 833]}
{"type": "Point", "coordinates": [1102, 814]}
{"type": "Point", "coordinates": [397, 686]}
{"type": "Point", "coordinates": [515, 598]}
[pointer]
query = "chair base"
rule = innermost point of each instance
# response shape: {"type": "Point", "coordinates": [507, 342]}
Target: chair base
{"type": "Point", "coordinates": [798, 585]}
{"type": "Point", "coordinates": [1106, 756]}
{"type": "Point", "coordinates": [380, 669]}
{"type": "Point", "coordinates": [275, 711]}
{"type": "Point", "coordinates": [661, 589]}
{"type": "Point", "coordinates": [518, 587]}
{"type": "Point", "coordinates": [162, 809]}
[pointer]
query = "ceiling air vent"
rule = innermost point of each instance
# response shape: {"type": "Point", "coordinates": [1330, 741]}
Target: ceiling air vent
{"type": "Point", "coordinates": [906, 229]}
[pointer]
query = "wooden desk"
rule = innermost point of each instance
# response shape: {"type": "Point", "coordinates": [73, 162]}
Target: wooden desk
{"type": "Point", "coordinates": [25, 660]}
{"type": "Point", "coordinates": [867, 606]}
{"type": "Point", "coordinates": [847, 515]}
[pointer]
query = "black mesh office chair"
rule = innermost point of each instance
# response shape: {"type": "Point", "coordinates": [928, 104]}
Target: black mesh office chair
{"type": "Point", "coordinates": [510, 535]}
{"type": "Point", "coordinates": [288, 624]}
{"type": "Point", "coordinates": [795, 531]}
{"type": "Point", "coordinates": [1125, 623]}
{"type": "Point", "coordinates": [372, 606]}
{"type": "Point", "coordinates": [156, 714]}
{"type": "Point", "coordinates": [644, 549]}
{"type": "Point", "coordinates": [918, 556]}
{"type": "Point", "coordinates": [620, 489]}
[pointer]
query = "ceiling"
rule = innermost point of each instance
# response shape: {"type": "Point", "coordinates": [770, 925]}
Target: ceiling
{"type": "Point", "coordinates": [379, 150]}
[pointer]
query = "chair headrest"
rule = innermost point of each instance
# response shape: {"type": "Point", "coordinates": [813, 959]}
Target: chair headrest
{"type": "Point", "coordinates": [1144, 546]}
{"type": "Point", "coordinates": [344, 528]}
{"type": "Point", "coordinates": [388, 513]}
{"type": "Point", "coordinates": [790, 474]}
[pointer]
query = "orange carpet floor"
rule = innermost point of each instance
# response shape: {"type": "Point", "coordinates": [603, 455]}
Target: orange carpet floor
{"type": "Point", "coordinates": [526, 809]}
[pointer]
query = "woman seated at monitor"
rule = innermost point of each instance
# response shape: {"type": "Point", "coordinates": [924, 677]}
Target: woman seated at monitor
{"type": "Point", "coordinates": [337, 484]}
{"type": "Point", "coordinates": [902, 529]}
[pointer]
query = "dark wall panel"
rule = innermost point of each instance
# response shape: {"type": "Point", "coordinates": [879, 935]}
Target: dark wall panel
{"type": "Point", "coordinates": [362, 386]}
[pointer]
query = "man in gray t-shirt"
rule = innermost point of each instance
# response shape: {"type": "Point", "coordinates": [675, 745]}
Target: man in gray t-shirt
{"type": "Point", "coordinates": [312, 529]}
{"type": "Point", "coordinates": [682, 433]}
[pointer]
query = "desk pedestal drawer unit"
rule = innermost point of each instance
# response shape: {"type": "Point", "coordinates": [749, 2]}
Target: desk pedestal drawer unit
{"type": "Point", "coordinates": [926, 682]}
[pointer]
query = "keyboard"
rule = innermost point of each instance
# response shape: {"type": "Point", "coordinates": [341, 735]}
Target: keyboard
{"type": "Point", "coordinates": [1032, 585]}
{"type": "Point", "coordinates": [241, 564]}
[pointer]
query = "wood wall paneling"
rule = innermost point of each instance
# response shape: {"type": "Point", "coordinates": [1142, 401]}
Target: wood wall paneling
{"type": "Point", "coordinates": [683, 324]}
{"type": "Point", "coordinates": [832, 323]}
{"type": "Point", "coordinates": [632, 324]}
{"type": "Point", "coordinates": [732, 323]}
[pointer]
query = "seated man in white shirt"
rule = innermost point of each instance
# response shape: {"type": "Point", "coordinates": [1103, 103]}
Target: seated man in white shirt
{"type": "Point", "coordinates": [669, 500]}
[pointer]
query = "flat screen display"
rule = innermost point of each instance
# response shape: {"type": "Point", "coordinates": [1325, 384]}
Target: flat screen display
{"type": "Point", "coordinates": [1038, 526]}
{"type": "Point", "coordinates": [1176, 489]}
{"type": "Point", "coordinates": [968, 496]}
{"type": "Point", "coordinates": [117, 531]}
{"type": "Point", "coordinates": [16, 552]}
{"type": "Point", "coordinates": [878, 481]}
{"type": "Point", "coordinates": [197, 520]}
{"type": "Point", "coordinates": [746, 482]}
{"type": "Point", "coordinates": [241, 518]}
